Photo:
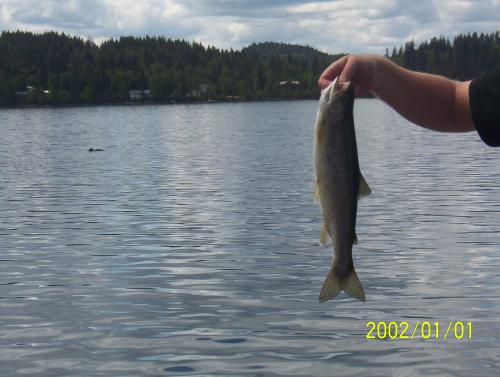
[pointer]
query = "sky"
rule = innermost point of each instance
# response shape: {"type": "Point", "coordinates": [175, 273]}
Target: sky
{"type": "Point", "coordinates": [342, 26]}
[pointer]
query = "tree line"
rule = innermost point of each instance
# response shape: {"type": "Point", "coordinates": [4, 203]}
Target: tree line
{"type": "Point", "coordinates": [463, 58]}
{"type": "Point", "coordinates": [58, 69]}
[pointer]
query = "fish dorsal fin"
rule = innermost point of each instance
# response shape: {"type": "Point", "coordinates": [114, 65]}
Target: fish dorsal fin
{"type": "Point", "coordinates": [364, 189]}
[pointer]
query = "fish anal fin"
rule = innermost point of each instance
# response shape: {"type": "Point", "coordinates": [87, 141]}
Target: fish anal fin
{"type": "Point", "coordinates": [316, 192]}
{"type": "Point", "coordinates": [364, 189]}
{"type": "Point", "coordinates": [323, 237]}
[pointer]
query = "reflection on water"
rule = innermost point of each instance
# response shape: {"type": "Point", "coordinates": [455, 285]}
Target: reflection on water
{"type": "Point", "coordinates": [189, 246]}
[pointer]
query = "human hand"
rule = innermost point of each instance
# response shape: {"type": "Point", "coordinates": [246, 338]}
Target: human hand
{"type": "Point", "coordinates": [360, 70]}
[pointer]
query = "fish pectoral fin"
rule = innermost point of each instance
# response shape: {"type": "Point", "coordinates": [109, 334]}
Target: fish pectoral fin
{"type": "Point", "coordinates": [323, 236]}
{"type": "Point", "coordinates": [333, 285]}
{"type": "Point", "coordinates": [364, 189]}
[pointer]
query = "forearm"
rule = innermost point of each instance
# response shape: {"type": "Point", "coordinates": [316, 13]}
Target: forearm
{"type": "Point", "coordinates": [430, 101]}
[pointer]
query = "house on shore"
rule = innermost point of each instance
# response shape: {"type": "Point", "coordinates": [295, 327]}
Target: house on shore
{"type": "Point", "coordinates": [28, 89]}
{"type": "Point", "coordinates": [201, 91]}
{"type": "Point", "coordinates": [139, 95]}
{"type": "Point", "coordinates": [289, 83]}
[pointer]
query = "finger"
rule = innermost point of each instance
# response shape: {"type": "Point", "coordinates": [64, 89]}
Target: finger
{"type": "Point", "coordinates": [349, 71]}
{"type": "Point", "coordinates": [323, 83]}
{"type": "Point", "coordinates": [361, 90]}
{"type": "Point", "coordinates": [331, 72]}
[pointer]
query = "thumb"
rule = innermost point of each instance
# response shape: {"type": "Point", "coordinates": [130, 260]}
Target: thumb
{"type": "Point", "coordinates": [361, 90]}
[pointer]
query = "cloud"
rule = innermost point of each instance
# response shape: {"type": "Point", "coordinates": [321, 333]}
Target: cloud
{"type": "Point", "coordinates": [43, 14]}
{"type": "Point", "coordinates": [243, 8]}
{"type": "Point", "coordinates": [154, 17]}
{"type": "Point", "coordinates": [97, 18]}
{"type": "Point", "coordinates": [354, 26]}
{"type": "Point", "coordinates": [469, 11]}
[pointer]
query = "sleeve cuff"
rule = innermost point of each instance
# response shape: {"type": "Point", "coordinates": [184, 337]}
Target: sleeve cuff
{"type": "Point", "coordinates": [489, 134]}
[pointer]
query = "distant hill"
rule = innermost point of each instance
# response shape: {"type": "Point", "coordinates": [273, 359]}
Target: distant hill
{"type": "Point", "coordinates": [267, 49]}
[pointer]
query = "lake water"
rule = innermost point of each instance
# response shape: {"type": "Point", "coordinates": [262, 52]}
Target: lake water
{"type": "Point", "coordinates": [189, 246]}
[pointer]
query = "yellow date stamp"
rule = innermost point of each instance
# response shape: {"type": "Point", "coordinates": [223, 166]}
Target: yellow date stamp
{"type": "Point", "coordinates": [435, 330]}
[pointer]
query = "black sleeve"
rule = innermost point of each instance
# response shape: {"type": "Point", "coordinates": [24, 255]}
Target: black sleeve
{"type": "Point", "coordinates": [484, 98]}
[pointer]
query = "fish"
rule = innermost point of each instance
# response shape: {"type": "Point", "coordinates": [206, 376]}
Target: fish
{"type": "Point", "coordinates": [339, 185]}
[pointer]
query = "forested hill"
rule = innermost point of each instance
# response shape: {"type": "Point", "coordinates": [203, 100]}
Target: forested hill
{"type": "Point", "coordinates": [267, 50]}
{"type": "Point", "coordinates": [52, 68]}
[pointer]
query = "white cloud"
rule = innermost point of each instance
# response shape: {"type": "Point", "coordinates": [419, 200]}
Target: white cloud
{"type": "Point", "coordinates": [334, 26]}
{"type": "Point", "coordinates": [318, 7]}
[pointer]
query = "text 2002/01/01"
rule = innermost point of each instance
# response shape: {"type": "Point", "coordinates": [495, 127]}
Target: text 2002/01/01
{"type": "Point", "coordinates": [420, 330]}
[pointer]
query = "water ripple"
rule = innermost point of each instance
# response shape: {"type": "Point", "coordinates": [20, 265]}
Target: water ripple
{"type": "Point", "coordinates": [190, 245]}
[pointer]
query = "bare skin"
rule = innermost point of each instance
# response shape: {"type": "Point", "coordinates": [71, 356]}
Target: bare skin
{"type": "Point", "coordinates": [430, 101]}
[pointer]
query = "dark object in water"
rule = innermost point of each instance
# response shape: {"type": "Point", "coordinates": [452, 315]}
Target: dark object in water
{"type": "Point", "coordinates": [95, 150]}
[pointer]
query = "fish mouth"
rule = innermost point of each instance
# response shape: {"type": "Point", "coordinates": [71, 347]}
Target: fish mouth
{"type": "Point", "coordinates": [328, 91]}
{"type": "Point", "coordinates": [339, 86]}
{"type": "Point", "coordinates": [334, 88]}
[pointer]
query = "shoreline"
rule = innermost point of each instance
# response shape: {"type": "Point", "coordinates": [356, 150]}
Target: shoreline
{"type": "Point", "coordinates": [152, 103]}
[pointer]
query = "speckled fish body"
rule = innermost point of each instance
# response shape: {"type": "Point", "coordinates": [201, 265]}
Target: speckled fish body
{"type": "Point", "coordinates": [339, 185]}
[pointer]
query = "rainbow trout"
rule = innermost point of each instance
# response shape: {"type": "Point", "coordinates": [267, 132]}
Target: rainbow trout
{"type": "Point", "coordinates": [339, 185]}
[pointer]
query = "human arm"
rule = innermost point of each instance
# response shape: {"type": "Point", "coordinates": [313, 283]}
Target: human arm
{"type": "Point", "coordinates": [430, 101]}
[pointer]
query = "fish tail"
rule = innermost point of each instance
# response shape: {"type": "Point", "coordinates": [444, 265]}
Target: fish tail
{"type": "Point", "coordinates": [334, 284]}
{"type": "Point", "coordinates": [353, 286]}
